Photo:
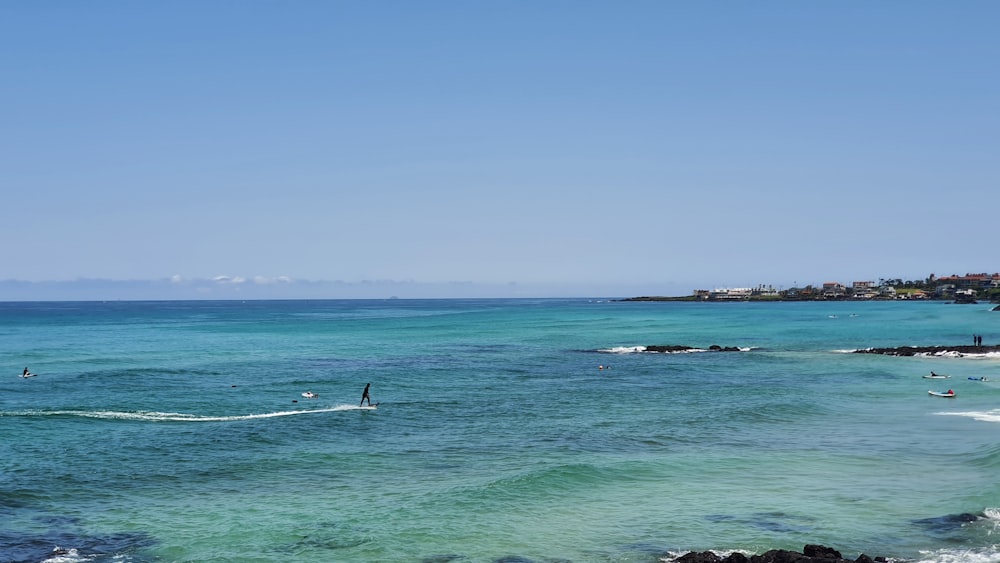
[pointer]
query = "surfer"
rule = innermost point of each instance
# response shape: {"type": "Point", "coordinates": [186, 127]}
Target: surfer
{"type": "Point", "coordinates": [26, 373]}
{"type": "Point", "coordinates": [365, 395]}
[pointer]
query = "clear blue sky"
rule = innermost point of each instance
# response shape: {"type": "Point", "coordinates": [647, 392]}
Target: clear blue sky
{"type": "Point", "coordinates": [549, 148]}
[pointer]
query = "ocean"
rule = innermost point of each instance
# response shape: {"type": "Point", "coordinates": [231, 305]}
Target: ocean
{"type": "Point", "coordinates": [507, 430]}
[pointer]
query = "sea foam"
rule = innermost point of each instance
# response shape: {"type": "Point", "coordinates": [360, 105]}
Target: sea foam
{"type": "Point", "coordinates": [983, 416]}
{"type": "Point", "coordinates": [152, 416]}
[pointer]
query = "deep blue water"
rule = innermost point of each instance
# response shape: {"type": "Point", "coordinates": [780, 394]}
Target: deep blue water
{"type": "Point", "coordinates": [177, 431]}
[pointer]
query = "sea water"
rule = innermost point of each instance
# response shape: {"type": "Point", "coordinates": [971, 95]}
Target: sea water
{"type": "Point", "coordinates": [506, 430]}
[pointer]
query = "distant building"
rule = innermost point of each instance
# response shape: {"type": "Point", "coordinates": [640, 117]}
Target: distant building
{"type": "Point", "coordinates": [834, 290]}
{"type": "Point", "coordinates": [945, 290]}
{"type": "Point", "coordinates": [864, 290]}
{"type": "Point", "coordinates": [969, 281]}
{"type": "Point", "coordinates": [731, 294]}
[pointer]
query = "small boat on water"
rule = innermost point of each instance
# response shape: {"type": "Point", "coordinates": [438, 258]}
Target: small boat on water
{"type": "Point", "coordinates": [937, 376]}
{"type": "Point", "coordinates": [948, 393]}
{"type": "Point", "coordinates": [310, 395]}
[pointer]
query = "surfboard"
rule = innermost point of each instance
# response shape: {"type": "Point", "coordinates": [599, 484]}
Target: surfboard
{"type": "Point", "coordinates": [940, 394]}
{"type": "Point", "coordinates": [937, 376]}
{"type": "Point", "coordinates": [28, 375]}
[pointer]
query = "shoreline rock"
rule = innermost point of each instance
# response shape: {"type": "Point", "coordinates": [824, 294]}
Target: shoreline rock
{"type": "Point", "coordinates": [931, 350]}
{"type": "Point", "coordinates": [811, 553]}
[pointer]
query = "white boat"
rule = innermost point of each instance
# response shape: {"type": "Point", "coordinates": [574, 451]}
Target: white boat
{"type": "Point", "coordinates": [310, 395]}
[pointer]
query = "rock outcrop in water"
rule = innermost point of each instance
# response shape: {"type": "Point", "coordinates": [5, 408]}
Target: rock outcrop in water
{"type": "Point", "coordinates": [930, 350]}
{"type": "Point", "coordinates": [674, 348]}
{"type": "Point", "coordinates": [809, 554]}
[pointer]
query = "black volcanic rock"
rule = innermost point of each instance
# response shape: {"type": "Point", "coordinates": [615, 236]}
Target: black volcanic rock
{"type": "Point", "coordinates": [674, 348]}
{"type": "Point", "coordinates": [810, 554]}
{"type": "Point", "coordinates": [929, 350]}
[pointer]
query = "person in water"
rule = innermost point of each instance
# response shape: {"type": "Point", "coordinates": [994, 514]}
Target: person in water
{"type": "Point", "coordinates": [365, 395]}
{"type": "Point", "coordinates": [26, 373]}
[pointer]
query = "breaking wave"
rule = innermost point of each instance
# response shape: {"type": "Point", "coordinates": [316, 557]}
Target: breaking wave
{"type": "Point", "coordinates": [152, 416]}
{"type": "Point", "coordinates": [645, 349]}
{"type": "Point", "coordinates": [982, 416]}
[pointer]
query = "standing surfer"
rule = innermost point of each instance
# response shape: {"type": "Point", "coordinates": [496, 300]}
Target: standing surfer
{"type": "Point", "coordinates": [365, 395]}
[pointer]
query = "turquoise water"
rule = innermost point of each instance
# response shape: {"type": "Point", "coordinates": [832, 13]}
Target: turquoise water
{"type": "Point", "coordinates": [177, 431]}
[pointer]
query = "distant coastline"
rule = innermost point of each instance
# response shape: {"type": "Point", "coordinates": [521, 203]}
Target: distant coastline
{"type": "Point", "coordinates": [967, 289]}
{"type": "Point", "coordinates": [772, 299]}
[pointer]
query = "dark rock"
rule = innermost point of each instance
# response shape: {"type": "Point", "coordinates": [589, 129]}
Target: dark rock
{"type": "Point", "coordinates": [779, 556]}
{"type": "Point", "coordinates": [929, 350]}
{"type": "Point", "coordinates": [699, 557]}
{"type": "Point", "coordinates": [811, 550]}
{"type": "Point", "coordinates": [674, 348]}
{"type": "Point", "coordinates": [717, 348]}
{"type": "Point", "coordinates": [668, 348]}
{"type": "Point", "coordinates": [810, 554]}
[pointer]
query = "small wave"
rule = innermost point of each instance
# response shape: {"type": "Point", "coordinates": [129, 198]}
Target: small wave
{"type": "Point", "coordinates": [150, 416]}
{"type": "Point", "coordinates": [982, 416]}
{"type": "Point", "coordinates": [722, 553]}
{"type": "Point", "coordinates": [559, 479]}
{"type": "Point", "coordinates": [641, 349]}
{"type": "Point", "coordinates": [954, 354]}
{"type": "Point", "coordinates": [938, 354]}
{"type": "Point", "coordinates": [623, 350]}
{"type": "Point", "coordinates": [65, 556]}
{"type": "Point", "coordinates": [974, 555]}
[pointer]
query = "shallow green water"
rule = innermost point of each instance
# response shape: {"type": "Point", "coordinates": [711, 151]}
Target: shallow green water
{"type": "Point", "coordinates": [176, 431]}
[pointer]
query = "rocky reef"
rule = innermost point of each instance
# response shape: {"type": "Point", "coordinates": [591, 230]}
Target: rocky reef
{"type": "Point", "coordinates": [930, 350]}
{"type": "Point", "coordinates": [809, 554]}
{"type": "Point", "coordinates": [674, 348]}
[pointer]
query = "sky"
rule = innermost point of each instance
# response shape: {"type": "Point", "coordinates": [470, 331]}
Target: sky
{"type": "Point", "coordinates": [346, 149]}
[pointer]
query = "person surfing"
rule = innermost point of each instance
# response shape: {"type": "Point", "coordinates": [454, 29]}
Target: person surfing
{"type": "Point", "coordinates": [26, 373]}
{"type": "Point", "coordinates": [365, 395]}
